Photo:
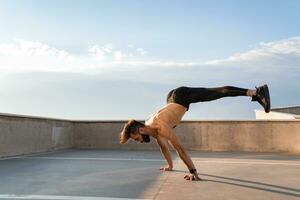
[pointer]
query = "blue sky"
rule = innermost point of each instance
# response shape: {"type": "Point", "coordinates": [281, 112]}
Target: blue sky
{"type": "Point", "coordinates": [118, 59]}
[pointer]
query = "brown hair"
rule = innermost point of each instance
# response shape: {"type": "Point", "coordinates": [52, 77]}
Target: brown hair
{"type": "Point", "coordinates": [129, 128]}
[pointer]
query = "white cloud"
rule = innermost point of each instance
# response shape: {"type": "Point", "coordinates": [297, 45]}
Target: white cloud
{"type": "Point", "coordinates": [110, 54]}
{"type": "Point", "coordinates": [118, 55]}
{"type": "Point", "coordinates": [141, 51]}
{"type": "Point", "coordinates": [101, 52]}
{"type": "Point", "coordinates": [26, 48]}
{"type": "Point", "coordinates": [278, 51]}
{"type": "Point", "coordinates": [98, 52]}
{"type": "Point", "coordinates": [22, 55]}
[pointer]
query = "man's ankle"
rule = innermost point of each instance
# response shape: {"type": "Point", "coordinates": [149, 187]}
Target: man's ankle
{"type": "Point", "coordinates": [251, 92]}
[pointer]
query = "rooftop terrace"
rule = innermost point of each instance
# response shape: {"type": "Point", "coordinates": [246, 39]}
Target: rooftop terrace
{"type": "Point", "coordinates": [42, 158]}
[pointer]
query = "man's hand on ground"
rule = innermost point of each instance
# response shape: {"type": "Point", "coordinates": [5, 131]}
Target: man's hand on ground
{"type": "Point", "coordinates": [168, 168]}
{"type": "Point", "coordinates": [192, 177]}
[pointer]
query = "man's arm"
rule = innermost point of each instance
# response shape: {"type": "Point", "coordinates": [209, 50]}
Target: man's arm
{"type": "Point", "coordinates": [166, 153]}
{"type": "Point", "coordinates": [182, 154]}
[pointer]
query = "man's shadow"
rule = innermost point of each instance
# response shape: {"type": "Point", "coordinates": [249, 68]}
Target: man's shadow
{"type": "Point", "coordinates": [256, 185]}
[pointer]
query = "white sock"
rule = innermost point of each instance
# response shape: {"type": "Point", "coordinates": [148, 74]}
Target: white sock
{"type": "Point", "coordinates": [251, 92]}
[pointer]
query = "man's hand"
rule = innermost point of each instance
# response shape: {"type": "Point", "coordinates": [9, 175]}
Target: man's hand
{"type": "Point", "coordinates": [192, 177]}
{"type": "Point", "coordinates": [168, 168]}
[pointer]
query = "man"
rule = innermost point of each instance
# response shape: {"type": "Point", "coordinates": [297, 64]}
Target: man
{"type": "Point", "coordinates": [161, 123]}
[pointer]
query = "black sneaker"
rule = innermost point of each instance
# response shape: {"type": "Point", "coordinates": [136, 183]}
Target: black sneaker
{"type": "Point", "coordinates": [263, 97]}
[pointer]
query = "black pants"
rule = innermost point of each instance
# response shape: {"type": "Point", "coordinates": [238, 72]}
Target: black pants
{"type": "Point", "coordinates": [187, 95]}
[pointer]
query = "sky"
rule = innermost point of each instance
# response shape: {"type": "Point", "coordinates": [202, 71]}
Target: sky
{"type": "Point", "coordinates": [117, 60]}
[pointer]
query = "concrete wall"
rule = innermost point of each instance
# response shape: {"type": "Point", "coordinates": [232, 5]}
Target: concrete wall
{"type": "Point", "coordinates": [104, 135]}
{"type": "Point", "coordinates": [26, 135]}
{"type": "Point", "coordinates": [252, 136]}
{"type": "Point", "coordinates": [290, 109]}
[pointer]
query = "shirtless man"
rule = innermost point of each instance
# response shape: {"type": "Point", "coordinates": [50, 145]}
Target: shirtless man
{"type": "Point", "coordinates": [160, 125]}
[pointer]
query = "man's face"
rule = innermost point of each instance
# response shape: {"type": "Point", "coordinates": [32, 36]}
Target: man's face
{"type": "Point", "coordinates": [137, 137]}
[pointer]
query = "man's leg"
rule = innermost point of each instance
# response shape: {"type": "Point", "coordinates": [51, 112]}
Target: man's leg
{"type": "Point", "coordinates": [260, 94]}
{"type": "Point", "coordinates": [209, 94]}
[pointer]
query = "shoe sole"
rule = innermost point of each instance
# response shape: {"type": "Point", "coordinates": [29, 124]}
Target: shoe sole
{"type": "Point", "coordinates": [267, 96]}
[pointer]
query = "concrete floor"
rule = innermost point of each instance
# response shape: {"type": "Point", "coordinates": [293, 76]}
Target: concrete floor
{"type": "Point", "coordinates": [102, 174]}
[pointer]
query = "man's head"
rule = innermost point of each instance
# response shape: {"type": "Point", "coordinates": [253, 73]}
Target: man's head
{"type": "Point", "coordinates": [131, 130]}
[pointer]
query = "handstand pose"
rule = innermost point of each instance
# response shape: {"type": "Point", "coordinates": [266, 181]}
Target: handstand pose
{"type": "Point", "coordinates": [160, 125]}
